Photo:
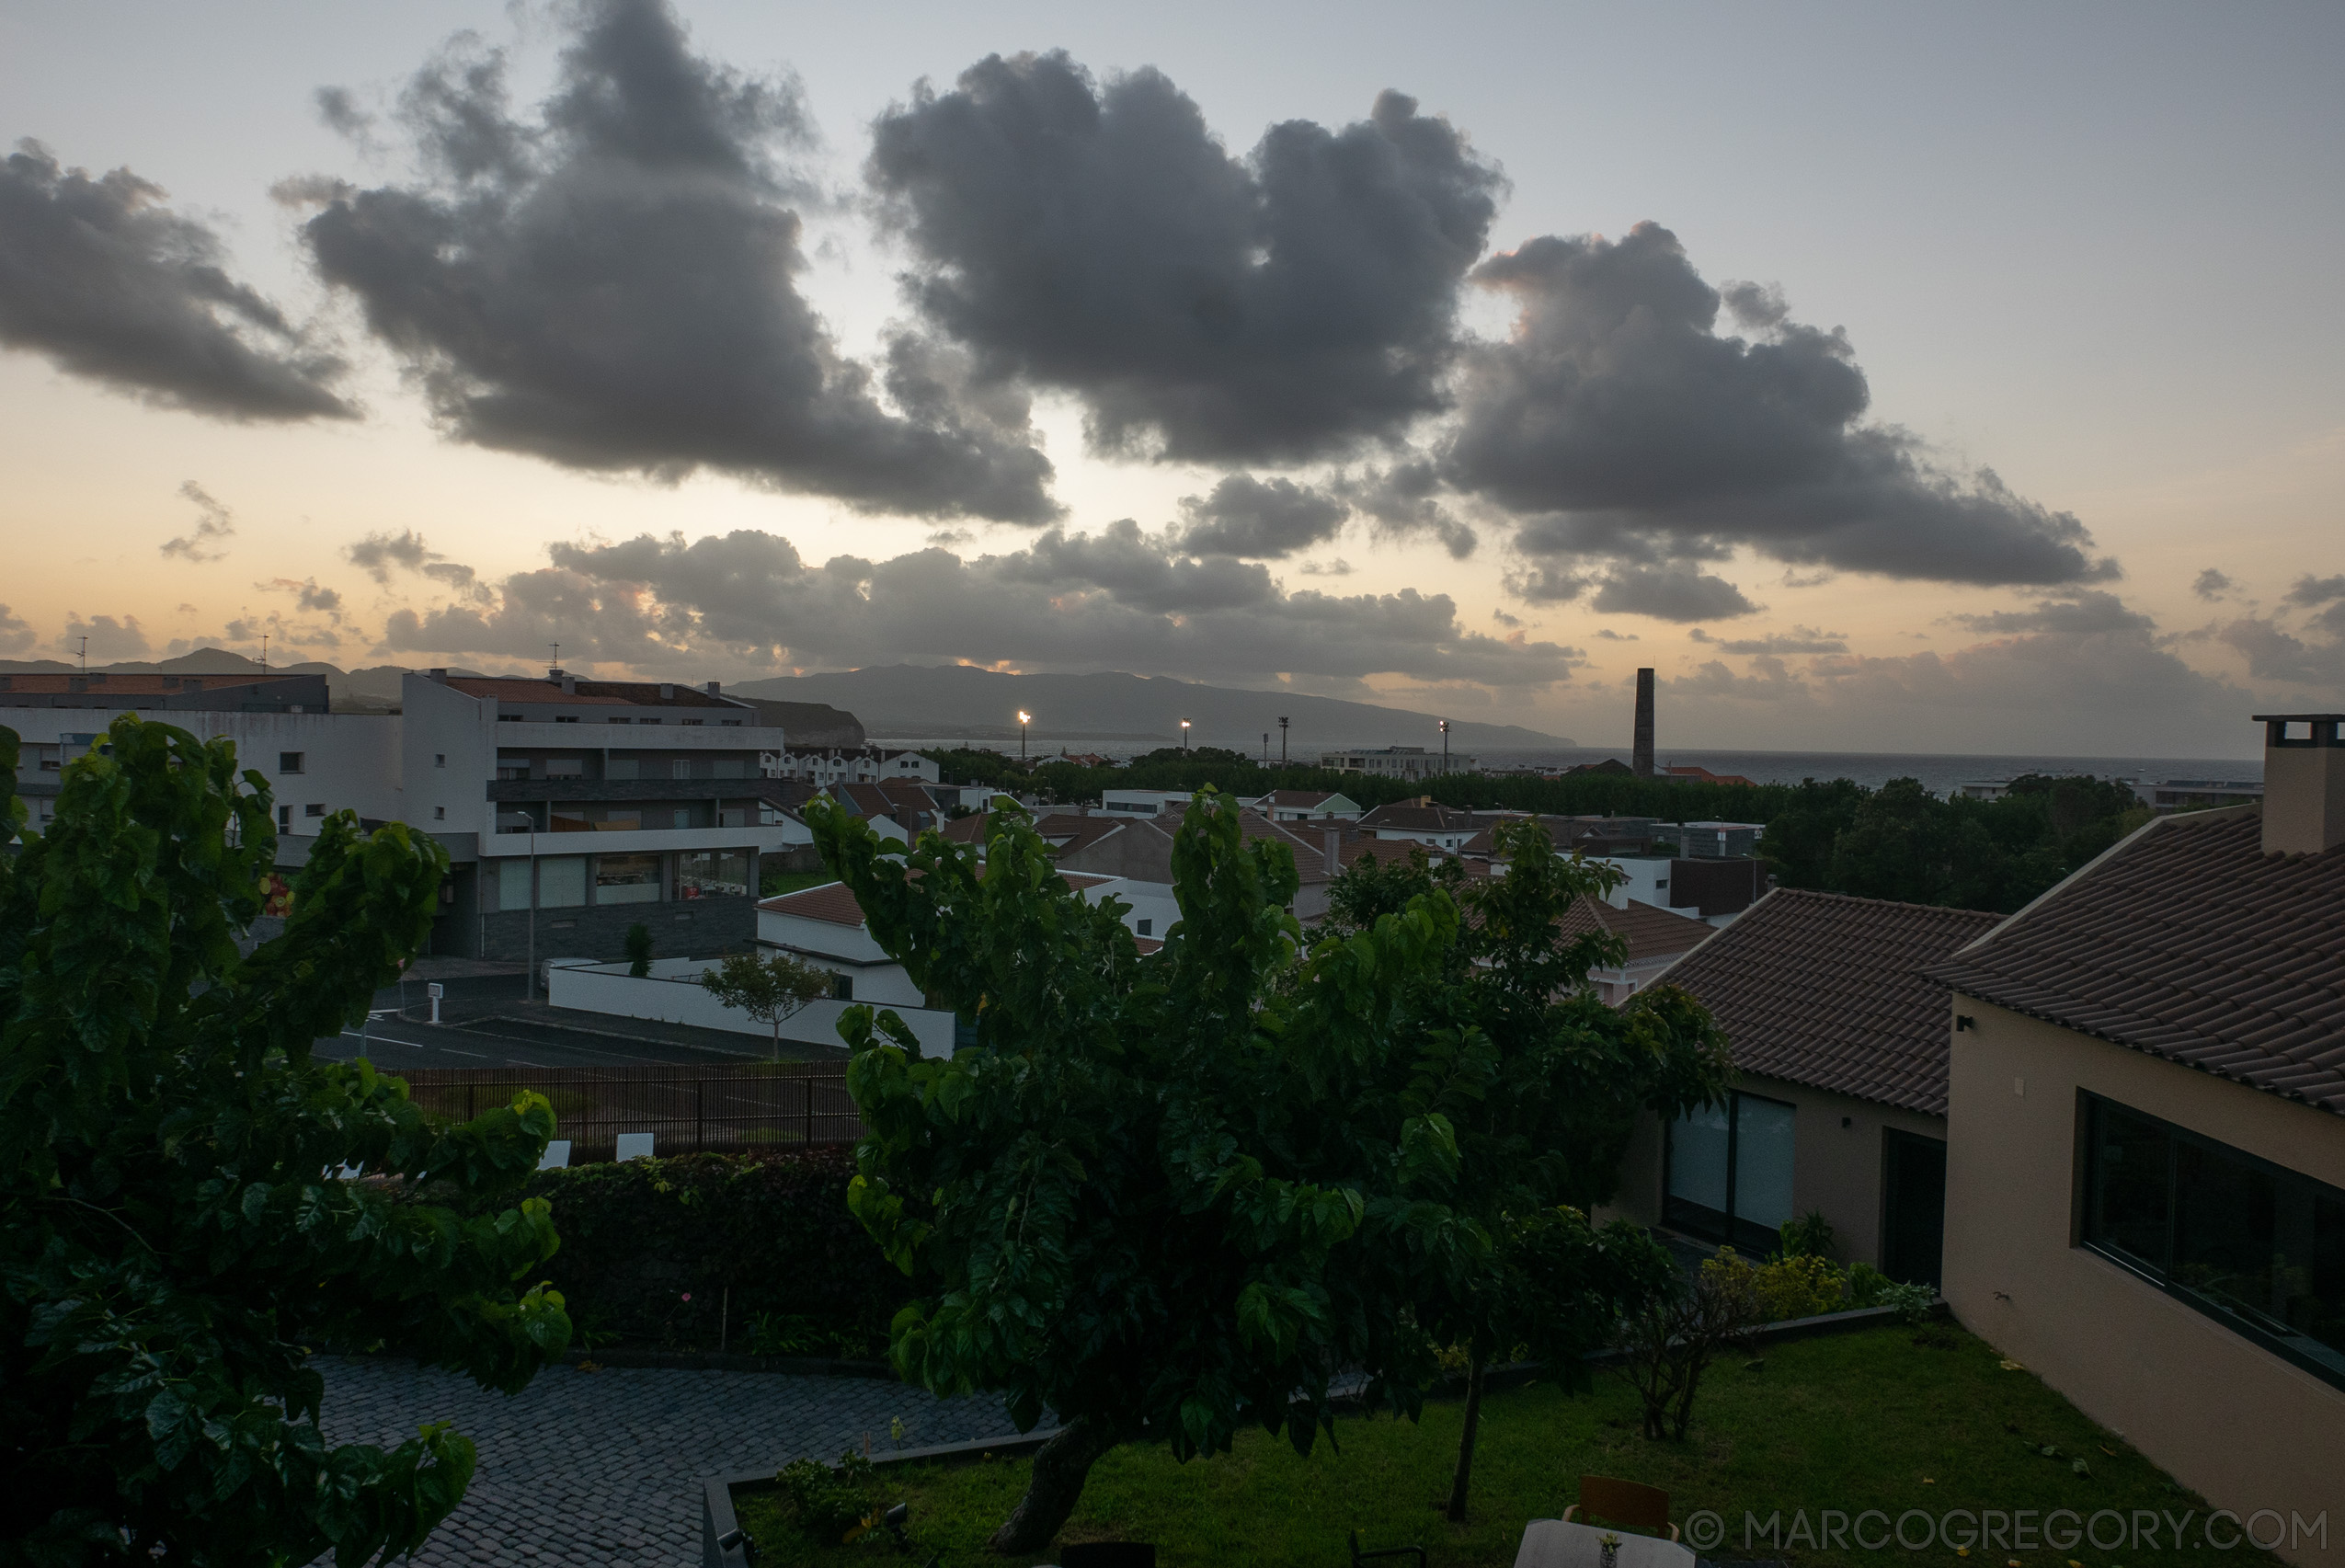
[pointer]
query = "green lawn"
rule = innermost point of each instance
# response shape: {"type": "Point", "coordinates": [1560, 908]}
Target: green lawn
{"type": "Point", "coordinates": [1891, 1419]}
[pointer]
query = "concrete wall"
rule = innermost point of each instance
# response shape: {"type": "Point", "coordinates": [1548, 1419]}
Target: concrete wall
{"type": "Point", "coordinates": [679, 929]}
{"type": "Point", "coordinates": [1835, 1168]}
{"type": "Point", "coordinates": [673, 995]}
{"type": "Point", "coordinates": [2225, 1416]}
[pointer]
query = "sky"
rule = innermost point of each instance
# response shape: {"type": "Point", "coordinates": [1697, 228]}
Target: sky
{"type": "Point", "coordinates": [1920, 379]}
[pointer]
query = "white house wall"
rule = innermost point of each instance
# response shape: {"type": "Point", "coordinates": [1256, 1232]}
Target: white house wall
{"type": "Point", "coordinates": [677, 997]}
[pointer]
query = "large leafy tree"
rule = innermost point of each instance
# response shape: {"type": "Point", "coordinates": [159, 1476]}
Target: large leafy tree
{"type": "Point", "coordinates": [1543, 1083]}
{"type": "Point", "coordinates": [175, 1239]}
{"type": "Point", "coordinates": [1164, 1198]}
{"type": "Point", "coordinates": [1169, 1196]}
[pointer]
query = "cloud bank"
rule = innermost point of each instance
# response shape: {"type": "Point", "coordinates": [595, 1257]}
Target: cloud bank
{"type": "Point", "coordinates": [110, 284]}
{"type": "Point", "coordinates": [610, 284]}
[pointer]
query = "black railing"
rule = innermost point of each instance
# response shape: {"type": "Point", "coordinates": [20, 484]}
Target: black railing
{"type": "Point", "coordinates": [752, 1108]}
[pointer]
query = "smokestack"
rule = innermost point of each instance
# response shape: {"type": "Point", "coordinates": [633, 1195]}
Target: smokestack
{"type": "Point", "coordinates": [2303, 783]}
{"type": "Point", "coordinates": [1642, 757]}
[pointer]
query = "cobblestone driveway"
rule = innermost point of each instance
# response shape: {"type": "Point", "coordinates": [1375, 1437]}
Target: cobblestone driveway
{"type": "Point", "coordinates": [604, 1467]}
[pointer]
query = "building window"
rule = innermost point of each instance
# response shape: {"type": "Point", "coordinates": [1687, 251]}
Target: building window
{"type": "Point", "coordinates": [843, 988]}
{"type": "Point", "coordinates": [1146, 927]}
{"type": "Point", "coordinates": [1730, 1170]}
{"type": "Point", "coordinates": [440, 759]}
{"type": "Point", "coordinates": [292, 761]}
{"type": "Point", "coordinates": [316, 808]}
{"type": "Point", "coordinates": [626, 879]}
{"type": "Point", "coordinates": [439, 814]}
{"type": "Point", "coordinates": [2258, 1247]}
{"type": "Point", "coordinates": [713, 873]}
{"type": "Point", "coordinates": [566, 718]}
{"type": "Point", "coordinates": [566, 767]}
{"type": "Point", "coordinates": [561, 882]}
{"type": "Point", "coordinates": [284, 818]}
{"type": "Point", "coordinates": [513, 884]}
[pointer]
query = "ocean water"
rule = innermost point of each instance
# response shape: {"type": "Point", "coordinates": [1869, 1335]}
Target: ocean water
{"type": "Point", "coordinates": [1938, 773]}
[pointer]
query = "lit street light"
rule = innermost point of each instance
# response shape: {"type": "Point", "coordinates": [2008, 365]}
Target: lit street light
{"type": "Point", "coordinates": [1445, 745]}
{"type": "Point", "coordinates": [1024, 718]}
{"type": "Point", "coordinates": [1185, 735]}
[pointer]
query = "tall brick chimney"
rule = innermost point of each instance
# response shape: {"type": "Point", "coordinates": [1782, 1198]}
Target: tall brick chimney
{"type": "Point", "coordinates": [2304, 782]}
{"type": "Point", "coordinates": [1642, 757]}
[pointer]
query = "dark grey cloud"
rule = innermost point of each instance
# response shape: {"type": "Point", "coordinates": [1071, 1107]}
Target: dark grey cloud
{"type": "Point", "coordinates": [2212, 583]}
{"type": "Point", "coordinates": [1117, 599]}
{"type": "Point", "coordinates": [609, 284]}
{"type": "Point", "coordinates": [2089, 611]}
{"type": "Point", "coordinates": [1403, 502]}
{"type": "Point", "coordinates": [379, 554]}
{"type": "Point", "coordinates": [1262, 518]}
{"type": "Point", "coordinates": [16, 633]}
{"type": "Point", "coordinates": [1610, 635]}
{"type": "Point", "coordinates": [1617, 407]}
{"type": "Point", "coordinates": [214, 524]}
{"type": "Point", "coordinates": [307, 595]}
{"type": "Point", "coordinates": [1799, 639]}
{"type": "Point", "coordinates": [2310, 590]}
{"type": "Point", "coordinates": [109, 638]}
{"type": "Point", "coordinates": [1098, 240]}
{"type": "Point", "coordinates": [106, 283]}
{"type": "Point", "coordinates": [1667, 591]}
{"type": "Point", "coordinates": [2275, 653]}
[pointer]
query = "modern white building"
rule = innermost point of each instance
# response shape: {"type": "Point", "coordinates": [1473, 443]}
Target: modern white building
{"type": "Point", "coordinates": [1142, 802]}
{"type": "Point", "coordinates": [823, 767]}
{"type": "Point", "coordinates": [1407, 763]}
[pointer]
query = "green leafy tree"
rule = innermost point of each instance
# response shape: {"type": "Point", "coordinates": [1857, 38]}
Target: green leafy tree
{"type": "Point", "coordinates": [1163, 1198]}
{"type": "Point", "coordinates": [1543, 1083]}
{"type": "Point", "coordinates": [639, 950]}
{"type": "Point", "coordinates": [772, 988]}
{"type": "Point", "coordinates": [175, 1240]}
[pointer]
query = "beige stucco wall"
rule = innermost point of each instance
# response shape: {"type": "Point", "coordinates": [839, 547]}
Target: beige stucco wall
{"type": "Point", "coordinates": [1835, 1168]}
{"type": "Point", "coordinates": [2225, 1417]}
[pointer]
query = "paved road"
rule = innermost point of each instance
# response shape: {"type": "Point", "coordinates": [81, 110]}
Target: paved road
{"type": "Point", "coordinates": [604, 1468]}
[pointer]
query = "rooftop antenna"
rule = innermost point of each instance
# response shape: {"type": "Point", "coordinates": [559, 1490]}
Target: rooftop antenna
{"type": "Point", "coordinates": [557, 657]}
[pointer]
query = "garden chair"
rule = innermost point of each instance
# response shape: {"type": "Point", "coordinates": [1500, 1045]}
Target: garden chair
{"type": "Point", "coordinates": [1359, 1557]}
{"type": "Point", "coordinates": [1622, 1502]}
{"type": "Point", "coordinates": [634, 1146]}
{"type": "Point", "coordinates": [556, 1156]}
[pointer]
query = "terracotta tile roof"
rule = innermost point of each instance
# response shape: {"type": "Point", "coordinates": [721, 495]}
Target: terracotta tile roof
{"type": "Point", "coordinates": [832, 901]}
{"type": "Point", "coordinates": [1650, 930]}
{"type": "Point", "coordinates": [517, 689]}
{"type": "Point", "coordinates": [1830, 992]}
{"type": "Point", "coordinates": [2189, 943]}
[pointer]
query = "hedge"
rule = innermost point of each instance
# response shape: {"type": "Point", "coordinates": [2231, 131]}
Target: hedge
{"type": "Point", "coordinates": [654, 1252]}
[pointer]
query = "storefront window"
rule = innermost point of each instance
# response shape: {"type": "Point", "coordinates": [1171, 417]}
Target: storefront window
{"type": "Point", "coordinates": [626, 879]}
{"type": "Point", "coordinates": [561, 882]}
{"type": "Point", "coordinates": [713, 873]}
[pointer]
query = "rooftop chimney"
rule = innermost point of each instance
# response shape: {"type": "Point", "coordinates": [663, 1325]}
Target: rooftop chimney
{"type": "Point", "coordinates": [712, 687]}
{"type": "Point", "coordinates": [440, 675]}
{"type": "Point", "coordinates": [2304, 782]}
{"type": "Point", "coordinates": [1331, 841]}
{"type": "Point", "coordinates": [1640, 762]}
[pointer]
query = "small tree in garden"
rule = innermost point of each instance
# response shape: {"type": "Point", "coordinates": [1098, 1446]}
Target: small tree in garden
{"type": "Point", "coordinates": [172, 1242]}
{"type": "Point", "coordinates": [639, 950]}
{"type": "Point", "coordinates": [1163, 1197]}
{"type": "Point", "coordinates": [1669, 1342]}
{"type": "Point", "coordinates": [1545, 1084]}
{"type": "Point", "coordinates": [772, 988]}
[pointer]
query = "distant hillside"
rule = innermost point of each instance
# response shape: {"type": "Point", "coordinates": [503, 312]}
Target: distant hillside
{"type": "Point", "coordinates": [374, 688]}
{"type": "Point", "coordinates": [960, 703]}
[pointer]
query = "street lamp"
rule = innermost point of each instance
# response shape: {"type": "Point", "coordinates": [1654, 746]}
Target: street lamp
{"type": "Point", "coordinates": [1445, 745]}
{"type": "Point", "coordinates": [1282, 743]}
{"type": "Point", "coordinates": [1185, 735]}
{"type": "Point", "coordinates": [1024, 718]}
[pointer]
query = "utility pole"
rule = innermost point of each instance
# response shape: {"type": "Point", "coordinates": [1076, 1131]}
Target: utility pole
{"type": "Point", "coordinates": [264, 653]}
{"type": "Point", "coordinates": [1282, 743]}
{"type": "Point", "coordinates": [1445, 745]}
{"type": "Point", "coordinates": [1185, 735]}
{"type": "Point", "coordinates": [85, 656]}
{"type": "Point", "coordinates": [531, 993]}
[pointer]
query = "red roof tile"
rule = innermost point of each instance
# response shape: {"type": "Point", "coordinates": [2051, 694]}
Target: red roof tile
{"type": "Point", "coordinates": [833, 901]}
{"type": "Point", "coordinates": [2188, 942]}
{"type": "Point", "coordinates": [1650, 930]}
{"type": "Point", "coordinates": [1830, 992]}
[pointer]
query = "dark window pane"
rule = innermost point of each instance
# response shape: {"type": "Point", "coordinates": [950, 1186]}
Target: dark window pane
{"type": "Point", "coordinates": [2129, 1186]}
{"type": "Point", "coordinates": [2224, 1215]}
{"type": "Point", "coordinates": [2316, 1280]}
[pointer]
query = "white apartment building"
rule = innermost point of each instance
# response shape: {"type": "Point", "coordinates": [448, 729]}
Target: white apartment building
{"type": "Point", "coordinates": [823, 767]}
{"type": "Point", "coordinates": [1407, 763]}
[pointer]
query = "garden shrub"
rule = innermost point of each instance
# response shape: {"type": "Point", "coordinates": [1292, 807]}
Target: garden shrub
{"type": "Point", "coordinates": [650, 1248]}
{"type": "Point", "coordinates": [830, 1503]}
{"type": "Point", "coordinates": [1865, 1285]}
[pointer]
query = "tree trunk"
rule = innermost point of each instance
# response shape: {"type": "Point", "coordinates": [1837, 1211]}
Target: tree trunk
{"type": "Point", "coordinates": [1060, 1467]}
{"type": "Point", "coordinates": [1465, 1475]}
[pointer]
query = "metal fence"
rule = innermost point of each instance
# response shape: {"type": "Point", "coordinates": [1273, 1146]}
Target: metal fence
{"type": "Point", "coordinates": [757, 1106]}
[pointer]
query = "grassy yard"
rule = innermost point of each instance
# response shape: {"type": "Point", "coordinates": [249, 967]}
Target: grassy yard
{"type": "Point", "coordinates": [1890, 1419]}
